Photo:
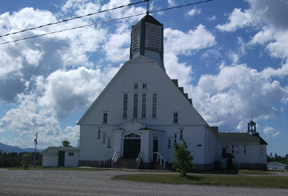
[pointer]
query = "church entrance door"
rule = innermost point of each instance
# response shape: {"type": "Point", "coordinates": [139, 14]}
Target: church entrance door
{"type": "Point", "coordinates": [132, 146]}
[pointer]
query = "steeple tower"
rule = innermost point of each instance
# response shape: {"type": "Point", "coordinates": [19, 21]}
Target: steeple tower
{"type": "Point", "coordinates": [147, 39]}
{"type": "Point", "coordinates": [252, 127]}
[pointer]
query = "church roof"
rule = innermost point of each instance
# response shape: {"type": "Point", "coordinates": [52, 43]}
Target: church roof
{"type": "Point", "coordinates": [150, 19]}
{"type": "Point", "coordinates": [241, 138]}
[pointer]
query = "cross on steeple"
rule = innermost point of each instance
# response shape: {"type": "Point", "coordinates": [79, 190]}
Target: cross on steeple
{"type": "Point", "coordinates": [148, 7]}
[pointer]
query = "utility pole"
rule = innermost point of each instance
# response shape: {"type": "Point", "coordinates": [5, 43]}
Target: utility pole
{"type": "Point", "coordinates": [35, 141]}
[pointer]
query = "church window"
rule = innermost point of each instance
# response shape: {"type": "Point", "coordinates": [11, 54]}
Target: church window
{"type": "Point", "coordinates": [99, 132]}
{"type": "Point", "coordinates": [136, 86]}
{"type": "Point", "coordinates": [104, 138]}
{"type": "Point", "coordinates": [169, 143]}
{"type": "Point", "coordinates": [181, 135]}
{"type": "Point", "coordinates": [175, 117]}
{"type": "Point", "coordinates": [125, 105]}
{"type": "Point", "coordinates": [261, 150]}
{"type": "Point", "coordinates": [105, 117]}
{"type": "Point", "coordinates": [135, 106]}
{"type": "Point", "coordinates": [154, 105]}
{"type": "Point", "coordinates": [144, 86]}
{"type": "Point", "coordinates": [244, 151]}
{"type": "Point", "coordinates": [175, 138]}
{"type": "Point", "coordinates": [109, 141]}
{"type": "Point", "coordinates": [144, 105]}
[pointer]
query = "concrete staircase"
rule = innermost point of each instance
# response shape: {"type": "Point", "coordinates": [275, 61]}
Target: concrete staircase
{"type": "Point", "coordinates": [126, 163]}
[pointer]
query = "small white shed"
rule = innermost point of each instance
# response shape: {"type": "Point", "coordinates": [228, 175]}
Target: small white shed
{"type": "Point", "coordinates": [60, 157]}
{"type": "Point", "coordinates": [277, 166]}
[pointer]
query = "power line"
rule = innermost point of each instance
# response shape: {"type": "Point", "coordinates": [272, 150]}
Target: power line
{"type": "Point", "coordinates": [78, 27]}
{"type": "Point", "coordinates": [74, 18]}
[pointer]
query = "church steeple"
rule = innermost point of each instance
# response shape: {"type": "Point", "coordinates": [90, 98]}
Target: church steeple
{"type": "Point", "coordinates": [252, 127]}
{"type": "Point", "coordinates": [147, 39]}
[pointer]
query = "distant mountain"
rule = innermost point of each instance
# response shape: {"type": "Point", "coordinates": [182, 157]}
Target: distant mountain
{"type": "Point", "coordinates": [8, 149]}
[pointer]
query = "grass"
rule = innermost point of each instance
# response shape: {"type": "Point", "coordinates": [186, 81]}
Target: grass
{"type": "Point", "coordinates": [253, 172]}
{"type": "Point", "coordinates": [222, 180]}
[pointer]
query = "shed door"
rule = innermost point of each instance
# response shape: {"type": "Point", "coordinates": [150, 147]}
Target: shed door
{"type": "Point", "coordinates": [61, 158]}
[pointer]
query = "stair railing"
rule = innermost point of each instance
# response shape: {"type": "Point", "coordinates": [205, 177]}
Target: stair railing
{"type": "Point", "coordinates": [161, 159]}
{"type": "Point", "coordinates": [139, 159]}
{"type": "Point", "coordinates": [115, 158]}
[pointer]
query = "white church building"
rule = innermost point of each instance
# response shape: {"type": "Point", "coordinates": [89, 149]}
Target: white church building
{"type": "Point", "coordinates": [142, 112]}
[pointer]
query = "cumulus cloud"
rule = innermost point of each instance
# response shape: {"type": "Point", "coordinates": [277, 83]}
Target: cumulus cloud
{"type": "Point", "coordinates": [179, 42]}
{"type": "Point", "coordinates": [194, 12]}
{"type": "Point", "coordinates": [237, 19]}
{"type": "Point", "coordinates": [69, 90]}
{"type": "Point", "coordinates": [238, 91]}
{"type": "Point", "coordinates": [270, 132]}
{"type": "Point", "coordinates": [270, 17]}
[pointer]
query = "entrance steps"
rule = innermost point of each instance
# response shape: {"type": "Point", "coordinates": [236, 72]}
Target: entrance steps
{"type": "Point", "coordinates": [126, 163]}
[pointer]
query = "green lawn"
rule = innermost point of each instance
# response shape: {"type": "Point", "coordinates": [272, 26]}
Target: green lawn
{"type": "Point", "coordinates": [223, 180]}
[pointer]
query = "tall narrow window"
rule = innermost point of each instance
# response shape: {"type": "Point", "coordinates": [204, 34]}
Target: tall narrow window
{"type": "Point", "coordinates": [154, 106]}
{"type": "Point", "coordinates": [125, 105]}
{"type": "Point", "coordinates": [104, 138]}
{"type": "Point", "coordinates": [175, 138]}
{"type": "Point", "coordinates": [181, 135]}
{"type": "Point", "coordinates": [135, 106]}
{"type": "Point", "coordinates": [169, 143]}
{"type": "Point", "coordinates": [237, 149]}
{"type": "Point", "coordinates": [232, 148]}
{"type": "Point", "coordinates": [109, 141]}
{"type": "Point", "coordinates": [99, 132]}
{"type": "Point", "coordinates": [175, 117]}
{"type": "Point", "coordinates": [244, 151]}
{"type": "Point", "coordinates": [105, 117]}
{"type": "Point", "coordinates": [144, 105]}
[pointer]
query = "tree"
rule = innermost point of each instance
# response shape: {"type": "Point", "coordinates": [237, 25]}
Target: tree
{"type": "Point", "coordinates": [25, 160]}
{"type": "Point", "coordinates": [66, 143]}
{"type": "Point", "coordinates": [183, 159]}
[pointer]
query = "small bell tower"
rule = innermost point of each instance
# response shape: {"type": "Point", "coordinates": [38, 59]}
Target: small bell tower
{"type": "Point", "coordinates": [252, 127]}
{"type": "Point", "coordinates": [147, 39]}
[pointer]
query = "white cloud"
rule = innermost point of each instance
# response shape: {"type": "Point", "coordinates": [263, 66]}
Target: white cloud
{"type": "Point", "coordinates": [238, 91]}
{"type": "Point", "coordinates": [69, 90]}
{"type": "Point", "coordinates": [237, 19]}
{"type": "Point", "coordinates": [212, 18]}
{"type": "Point", "coordinates": [270, 132]}
{"type": "Point", "coordinates": [117, 47]}
{"type": "Point", "coordinates": [183, 43]}
{"type": "Point", "coordinates": [172, 3]}
{"type": "Point", "coordinates": [182, 73]}
{"type": "Point", "coordinates": [269, 17]}
{"type": "Point", "coordinates": [194, 12]}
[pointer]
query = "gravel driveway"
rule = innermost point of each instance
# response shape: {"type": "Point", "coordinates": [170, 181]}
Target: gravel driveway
{"type": "Point", "coordinates": [54, 182]}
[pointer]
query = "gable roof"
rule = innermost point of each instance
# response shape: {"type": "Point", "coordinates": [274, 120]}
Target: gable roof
{"type": "Point", "coordinates": [54, 150]}
{"type": "Point", "coordinates": [112, 80]}
{"type": "Point", "coordinates": [269, 164]}
{"type": "Point", "coordinates": [241, 138]}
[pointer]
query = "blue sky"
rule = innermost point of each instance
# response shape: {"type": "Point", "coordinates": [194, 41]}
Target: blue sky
{"type": "Point", "coordinates": [230, 56]}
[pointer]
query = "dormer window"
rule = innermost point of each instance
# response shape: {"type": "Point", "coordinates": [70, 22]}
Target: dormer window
{"type": "Point", "coordinates": [144, 86]}
{"type": "Point", "coordinates": [136, 86]}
